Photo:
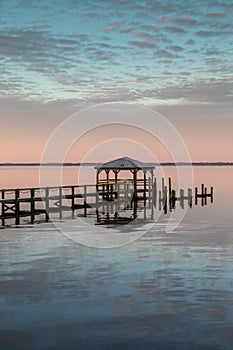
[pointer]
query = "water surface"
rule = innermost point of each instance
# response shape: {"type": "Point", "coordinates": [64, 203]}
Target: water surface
{"type": "Point", "coordinates": [163, 291]}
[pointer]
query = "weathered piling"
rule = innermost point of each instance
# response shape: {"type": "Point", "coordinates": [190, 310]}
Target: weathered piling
{"type": "Point", "coordinates": [203, 195]}
{"type": "Point", "coordinates": [32, 205]}
{"type": "Point", "coordinates": [3, 208]}
{"type": "Point", "coordinates": [17, 207]}
{"type": "Point", "coordinates": [46, 204]}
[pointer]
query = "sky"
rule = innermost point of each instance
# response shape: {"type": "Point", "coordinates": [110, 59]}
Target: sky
{"type": "Point", "coordinates": [61, 56]}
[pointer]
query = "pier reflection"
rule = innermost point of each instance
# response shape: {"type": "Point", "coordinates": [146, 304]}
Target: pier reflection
{"type": "Point", "coordinates": [115, 209]}
{"type": "Point", "coordinates": [114, 203]}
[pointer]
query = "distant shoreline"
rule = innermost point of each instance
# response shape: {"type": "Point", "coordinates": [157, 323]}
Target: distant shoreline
{"type": "Point", "coordinates": [95, 164]}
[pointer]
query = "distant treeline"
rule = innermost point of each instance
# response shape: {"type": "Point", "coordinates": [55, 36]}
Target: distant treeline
{"type": "Point", "coordinates": [95, 164]}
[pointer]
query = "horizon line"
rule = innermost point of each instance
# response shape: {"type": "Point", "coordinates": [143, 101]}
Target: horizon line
{"type": "Point", "coordinates": [180, 163]}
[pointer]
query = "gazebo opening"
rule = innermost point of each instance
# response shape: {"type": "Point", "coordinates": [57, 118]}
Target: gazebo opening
{"type": "Point", "coordinates": [141, 177]}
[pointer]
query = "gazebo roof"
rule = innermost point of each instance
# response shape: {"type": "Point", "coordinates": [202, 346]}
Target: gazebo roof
{"type": "Point", "coordinates": [125, 163]}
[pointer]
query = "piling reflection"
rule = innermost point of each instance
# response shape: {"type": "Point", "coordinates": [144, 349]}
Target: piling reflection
{"type": "Point", "coordinates": [122, 208]}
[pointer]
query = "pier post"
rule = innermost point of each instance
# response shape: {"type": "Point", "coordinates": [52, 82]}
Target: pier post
{"type": "Point", "coordinates": [169, 188]}
{"type": "Point", "coordinates": [211, 194]}
{"type": "Point", "coordinates": [205, 195]}
{"type": "Point", "coordinates": [173, 199]}
{"type": "Point", "coordinates": [154, 192]}
{"type": "Point", "coordinates": [190, 197]}
{"type": "Point", "coordinates": [165, 200]}
{"type": "Point", "coordinates": [202, 194]}
{"type": "Point", "coordinates": [195, 195]}
{"type": "Point", "coordinates": [163, 184]}
{"type": "Point", "coordinates": [182, 198]}
{"type": "Point", "coordinates": [46, 204]}
{"type": "Point", "coordinates": [97, 200]}
{"type": "Point", "coordinates": [3, 208]}
{"type": "Point", "coordinates": [60, 203]}
{"type": "Point", "coordinates": [149, 191]}
{"type": "Point", "coordinates": [144, 183]}
{"type": "Point", "coordinates": [72, 200]}
{"type": "Point", "coordinates": [32, 205]}
{"type": "Point", "coordinates": [85, 200]}
{"type": "Point", "coordinates": [17, 216]}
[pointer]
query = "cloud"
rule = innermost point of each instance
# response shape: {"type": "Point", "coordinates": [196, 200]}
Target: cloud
{"type": "Point", "coordinates": [151, 27]}
{"type": "Point", "coordinates": [186, 21]}
{"type": "Point", "coordinates": [107, 29]}
{"type": "Point", "coordinates": [164, 53]}
{"type": "Point", "coordinates": [190, 42]}
{"type": "Point", "coordinates": [175, 29]}
{"type": "Point", "coordinates": [143, 79]}
{"type": "Point", "coordinates": [184, 73]}
{"type": "Point", "coordinates": [145, 36]}
{"type": "Point", "coordinates": [215, 14]}
{"type": "Point", "coordinates": [212, 91]}
{"type": "Point", "coordinates": [48, 59]}
{"type": "Point", "coordinates": [176, 48]}
{"type": "Point", "coordinates": [116, 23]}
{"type": "Point", "coordinates": [142, 44]}
{"type": "Point", "coordinates": [209, 34]}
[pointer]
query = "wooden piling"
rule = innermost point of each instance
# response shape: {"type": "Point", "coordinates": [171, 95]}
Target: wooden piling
{"type": "Point", "coordinates": [46, 204]}
{"type": "Point", "coordinates": [205, 196]}
{"type": "Point", "coordinates": [32, 205]}
{"type": "Point", "coordinates": [72, 200]}
{"type": "Point", "coordinates": [85, 199]}
{"type": "Point", "coordinates": [154, 194]}
{"type": "Point", "coordinates": [169, 188]}
{"type": "Point", "coordinates": [172, 199]}
{"type": "Point", "coordinates": [195, 195]}
{"type": "Point", "coordinates": [182, 198]}
{"type": "Point", "coordinates": [211, 194]}
{"type": "Point", "coordinates": [202, 195]}
{"type": "Point", "coordinates": [17, 207]}
{"type": "Point", "coordinates": [3, 208]}
{"type": "Point", "coordinates": [163, 184]}
{"type": "Point", "coordinates": [165, 200]}
{"type": "Point", "coordinates": [149, 188]}
{"type": "Point", "coordinates": [60, 203]}
{"type": "Point", "coordinates": [160, 199]}
{"type": "Point", "coordinates": [190, 197]}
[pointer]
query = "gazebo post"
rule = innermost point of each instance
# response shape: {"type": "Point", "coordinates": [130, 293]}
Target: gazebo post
{"type": "Point", "coordinates": [97, 179]}
{"type": "Point", "coordinates": [135, 182]}
{"type": "Point", "coordinates": [107, 175]}
{"type": "Point", "coordinates": [144, 172]}
{"type": "Point", "coordinates": [107, 185]}
{"type": "Point", "coordinates": [116, 178]}
{"type": "Point", "coordinates": [116, 173]}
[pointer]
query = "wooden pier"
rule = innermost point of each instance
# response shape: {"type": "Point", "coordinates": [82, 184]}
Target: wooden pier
{"type": "Point", "coordinates": [38, 204]}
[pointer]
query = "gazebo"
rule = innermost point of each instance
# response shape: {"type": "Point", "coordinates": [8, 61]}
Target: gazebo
{"type": "Point", "coordinates": [126, 163]}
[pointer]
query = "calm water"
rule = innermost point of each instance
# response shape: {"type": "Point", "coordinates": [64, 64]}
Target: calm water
{"type": "Point", "coordinates": [163, 291]}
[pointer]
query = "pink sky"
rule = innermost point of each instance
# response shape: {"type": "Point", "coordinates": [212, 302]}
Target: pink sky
{"type": "Point", "coordinates": [27, 126]}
